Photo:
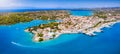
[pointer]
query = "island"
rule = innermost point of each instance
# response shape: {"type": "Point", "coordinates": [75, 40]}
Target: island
{"type": "Point", "coordinates": [67, 23]}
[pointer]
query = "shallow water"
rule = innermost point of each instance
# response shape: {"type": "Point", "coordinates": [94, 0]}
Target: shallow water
{"type": "Point", "coordinates": [82, 13]}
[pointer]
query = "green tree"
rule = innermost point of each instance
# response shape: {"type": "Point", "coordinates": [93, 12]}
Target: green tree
{"type": "Point", "coordinates": [41, 39]}
{"type": "Point", "coordinates": [40, 34]}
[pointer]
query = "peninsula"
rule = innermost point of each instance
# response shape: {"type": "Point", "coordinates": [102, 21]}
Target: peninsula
{"type": "Point", "coordinates": [68, 23]}
{"type": "Point", "coordinates": [76, 24]}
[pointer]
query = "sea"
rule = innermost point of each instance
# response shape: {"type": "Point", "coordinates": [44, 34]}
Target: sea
{"type": "Point", "coordinates": [14, 40]}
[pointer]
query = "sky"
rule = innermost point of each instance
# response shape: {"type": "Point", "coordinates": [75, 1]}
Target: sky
{"type": "Point", "coordinates": [17, 4]}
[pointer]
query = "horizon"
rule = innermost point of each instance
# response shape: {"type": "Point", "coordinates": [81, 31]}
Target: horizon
{"type": "Point", "coordinates": [57, 4]}
{"type": "Point", "coordinates": [57, 8]}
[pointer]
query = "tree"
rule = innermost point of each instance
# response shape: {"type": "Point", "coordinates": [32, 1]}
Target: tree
{"type": "Point", "coordinates": [54, 35]}
{"type": "Point", "coordinates": [41, 39]}
{"type": "Point", "coordinates": [40, 34]}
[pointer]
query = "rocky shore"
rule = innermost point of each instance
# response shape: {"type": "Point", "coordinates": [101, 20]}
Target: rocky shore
{"type": "Point", "coordinates": [73, 24]}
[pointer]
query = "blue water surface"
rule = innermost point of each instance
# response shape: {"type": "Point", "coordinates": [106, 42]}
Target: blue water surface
{"type": "Point", "coordinates": [81, 12]}
{"type": "Point", "coordinates": [14, 40]}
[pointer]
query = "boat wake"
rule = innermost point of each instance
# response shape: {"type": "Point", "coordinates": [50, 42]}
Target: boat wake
{"type": "Point", "coordinates": [18, 44]}
{"type": "Point", "coordinates": [33, 46]}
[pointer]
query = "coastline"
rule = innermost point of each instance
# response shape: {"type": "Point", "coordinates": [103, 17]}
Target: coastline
{"type": "Point", "coordinates": [68, 23]}
{"type": "Point", "coordinates": [89, 32]}
{"type": "Point", "coordinates": [106, 25]}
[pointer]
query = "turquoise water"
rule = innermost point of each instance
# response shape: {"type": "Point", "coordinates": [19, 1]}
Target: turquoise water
{"type": "Point", "coordinates": [14, 40]}
{"type": "Point", "coordinates": [81, 13]}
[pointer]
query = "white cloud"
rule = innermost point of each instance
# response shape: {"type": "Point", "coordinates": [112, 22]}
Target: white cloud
{"type": "Point", "coordinates": [8, 4]}
{"type": "Point", "coordinates": [13, 4]}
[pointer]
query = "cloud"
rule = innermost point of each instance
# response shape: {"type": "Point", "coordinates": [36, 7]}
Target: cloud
{"type": "Point", "coordinates": [7, 4]}
{"type": "Point", "coordinates": [13, 4]}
